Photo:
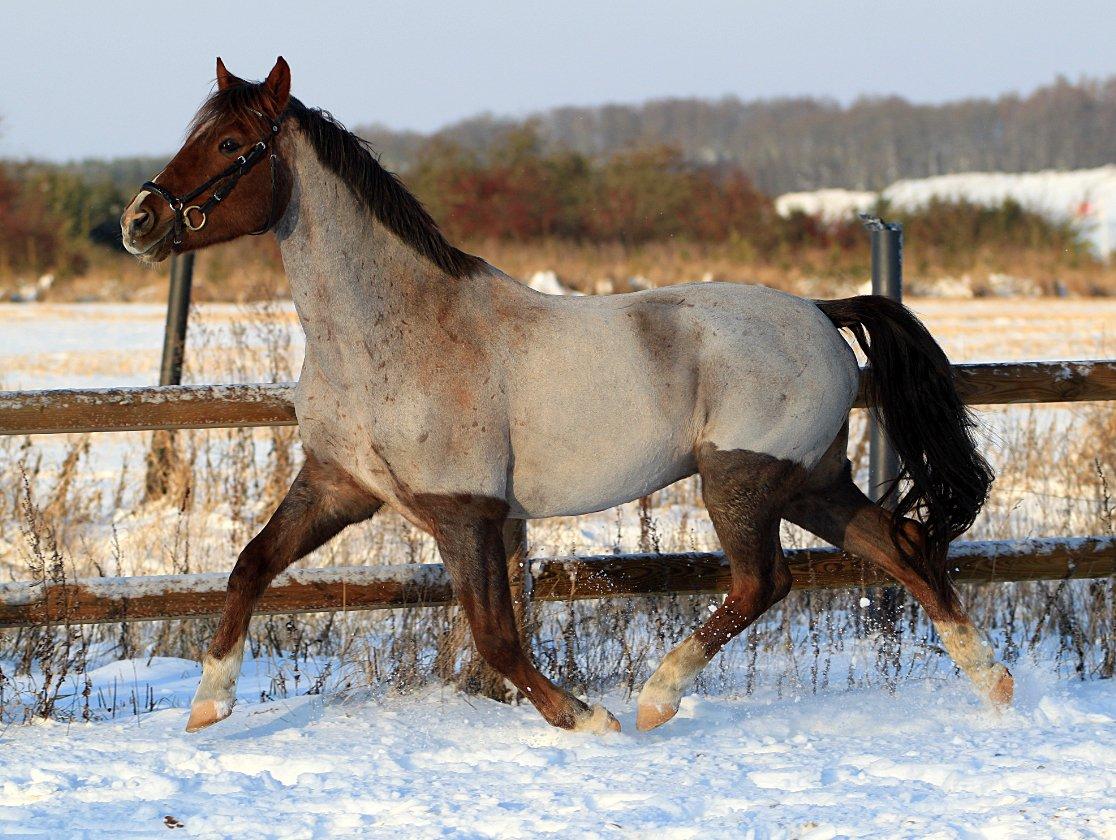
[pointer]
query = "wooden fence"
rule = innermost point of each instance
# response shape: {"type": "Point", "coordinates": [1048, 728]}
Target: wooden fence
{"type": "Point", "coordinates": [238, 406]}
{"type": "Point", "coordinates": [380, 587]}
{"type": "Point", "coordinates": [99, 600]}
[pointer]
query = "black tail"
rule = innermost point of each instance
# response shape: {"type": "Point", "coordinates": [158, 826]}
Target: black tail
{"type": "Point", "coordinates": [912, 392]}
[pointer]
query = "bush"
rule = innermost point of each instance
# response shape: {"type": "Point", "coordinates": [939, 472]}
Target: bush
{"type": "Point", "coordinates": [645, 211]}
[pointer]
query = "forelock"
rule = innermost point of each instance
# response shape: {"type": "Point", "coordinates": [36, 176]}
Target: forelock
{"type": "Point", "coordinates": [242, 103]}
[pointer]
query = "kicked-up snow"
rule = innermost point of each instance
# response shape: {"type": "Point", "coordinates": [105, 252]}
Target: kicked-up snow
{"type": "Point", "coordinates": [928, 761]}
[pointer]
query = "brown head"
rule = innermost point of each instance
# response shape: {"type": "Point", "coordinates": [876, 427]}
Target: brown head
{"type": "Point", "coordinates": [250, 198]}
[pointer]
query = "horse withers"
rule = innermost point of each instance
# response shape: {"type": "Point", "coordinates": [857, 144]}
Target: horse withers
{"type": "Point", "coordinates": [437, 385]}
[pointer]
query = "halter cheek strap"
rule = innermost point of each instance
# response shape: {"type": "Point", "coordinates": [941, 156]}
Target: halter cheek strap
{"type": "Point", "coordinates": [189, 216]}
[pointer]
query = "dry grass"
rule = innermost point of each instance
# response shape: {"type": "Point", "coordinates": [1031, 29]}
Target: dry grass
{"type": "Point", "coordinates": [68, 511]}
{"type": "Point", "coordinates": [232, 272]}
{"type": "Point", "coordinates": [813, 271]}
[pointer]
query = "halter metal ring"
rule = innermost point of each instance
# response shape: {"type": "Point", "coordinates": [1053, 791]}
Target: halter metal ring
{"type": "Point", "coordinates": [186, 217]}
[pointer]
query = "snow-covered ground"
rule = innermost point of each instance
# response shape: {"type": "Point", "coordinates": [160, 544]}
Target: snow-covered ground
{"type": "Point", "coordinates": [830, 205]}
{"type": "Point", "coordinates": [95, 345]}
{"type": "Point", "coordinates": [1084, 197]}
{"type": "Point", "coordinates": [928, 761]}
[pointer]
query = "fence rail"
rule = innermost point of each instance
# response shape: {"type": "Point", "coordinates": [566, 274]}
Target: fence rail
{"type": "Point", "coordinates": [148, 408]}
{"type": "Point", "coordinates": [100, 600]}
{"type": "Point", "coordinates": [234, 406]}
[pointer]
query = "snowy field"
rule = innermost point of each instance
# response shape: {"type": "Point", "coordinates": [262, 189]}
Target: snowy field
{"type": "Point", "coordinates": [928, 761]}
{"type": "Point", "coordinates": [100, 345]}
{"type": "Point", "coordinates": [1086, 198]}
{"type": "Point", "coordinates": [783, 761]}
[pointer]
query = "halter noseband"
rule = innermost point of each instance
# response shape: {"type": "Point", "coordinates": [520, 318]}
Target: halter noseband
{"type": "Point", "coordinates": [181, 207]}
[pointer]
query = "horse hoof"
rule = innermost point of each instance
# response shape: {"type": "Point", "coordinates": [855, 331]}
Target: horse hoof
{"type": "Point", "coordinates": [652, 715]}
{"type": "Point", "coordinates": [599, 721]}
{"type": "Point", "coordinates": [1003, 690]}
{"type": "Point", "coordinates": [206, 713]}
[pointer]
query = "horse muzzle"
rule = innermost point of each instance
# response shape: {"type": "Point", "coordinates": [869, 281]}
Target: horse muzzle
{"type": "Point", "coordinates": [142, 233]}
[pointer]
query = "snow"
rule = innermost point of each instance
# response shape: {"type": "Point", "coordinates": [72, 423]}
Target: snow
{"type": "Point", "coordinates": [1036, 546]}
{"type": "Point", "coordinates": [256, 392]}
{"type": "Point", "coordinates": [1084, 197]}
{"type": "Point", "coordinates": [87, 345]}
{"type": "Point", "coordinates": [548, 283]}
{"type": "Point", "coordinates": [829, 205]}
{"type": "Point", "coordinates": [926, 761]}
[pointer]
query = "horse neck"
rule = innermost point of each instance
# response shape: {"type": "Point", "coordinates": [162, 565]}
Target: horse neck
{"type": "Point", "coordinates": [343, 265]}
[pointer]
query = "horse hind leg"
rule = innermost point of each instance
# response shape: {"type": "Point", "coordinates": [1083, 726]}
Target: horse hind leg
{"type": "Point", "coordinates": [321, 502]}
{"type": "Point", "coordinates": [837, 511]}
{"type": "Point", "coordinates": [744, 493]}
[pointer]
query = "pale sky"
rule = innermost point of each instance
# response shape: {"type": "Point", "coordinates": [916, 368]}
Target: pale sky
{"type": "Point", "coordinates": [108, 79]}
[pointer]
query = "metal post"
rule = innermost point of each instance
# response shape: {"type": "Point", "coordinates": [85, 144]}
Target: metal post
{"type": "Point", "coordinates": [162, 461]}
{"type": "Point", "coordinates": [883, 464]}
{"type": "Point", "coordinates": [178, 312]}
{"type": "Point", "coordinates": [887, 280]}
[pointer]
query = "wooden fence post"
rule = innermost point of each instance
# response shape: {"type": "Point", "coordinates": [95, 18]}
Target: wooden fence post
{"type": "Point", "coordinates": [475, 676]}
{"type": "Point", "coordinates": [163, 461]}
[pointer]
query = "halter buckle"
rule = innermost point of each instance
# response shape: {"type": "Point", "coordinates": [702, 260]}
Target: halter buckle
{"type": "Point", "coordinates": [186, 217]}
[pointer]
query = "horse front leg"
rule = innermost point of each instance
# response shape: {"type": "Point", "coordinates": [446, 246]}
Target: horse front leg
{"type": "Point", "coordinates": [468, 530]}
{"type": "Point", "coordinates": [321, 502]}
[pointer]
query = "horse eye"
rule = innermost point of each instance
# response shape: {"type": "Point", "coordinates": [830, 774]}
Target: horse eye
{"type": "Point", "coordinates": [228, 145]}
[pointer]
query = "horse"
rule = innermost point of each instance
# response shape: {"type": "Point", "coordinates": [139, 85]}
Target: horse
{"type": "Point", "coordinates": [439, 386]}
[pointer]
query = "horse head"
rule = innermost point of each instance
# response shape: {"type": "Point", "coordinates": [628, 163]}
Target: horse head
{"type": "Point", "coordinates": [226, 181]}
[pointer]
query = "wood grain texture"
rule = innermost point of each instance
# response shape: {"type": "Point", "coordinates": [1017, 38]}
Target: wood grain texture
{"type": "Point", "coordinates": [822, 568]}
{"type": "Point", "coordinates": [156, 407]}
{"type": "Point", "coordinates": [232, 406]}
{"type": "Point", "coordinates": [1011, 383]}
{"type": "Point", "coordinates": [554, 579]}
{"type": "Point", "coordinates": [100, 600]}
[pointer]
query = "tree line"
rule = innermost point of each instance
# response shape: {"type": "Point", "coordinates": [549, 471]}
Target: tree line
{"type": "Point", "coordinates": [676, 170]}
{"type": "Point", "coordinates": [517, 191]}
{"type": "Point", "coordinates": [807, 143]}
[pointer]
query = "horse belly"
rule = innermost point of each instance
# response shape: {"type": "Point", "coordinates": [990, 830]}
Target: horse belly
{"type": "Point", "coordinates": [596, 470]}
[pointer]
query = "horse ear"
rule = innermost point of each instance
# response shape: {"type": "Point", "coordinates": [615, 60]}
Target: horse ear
{"type": "Point", "coordinates": [278, 84]}
{"type": "Point", "coordinates": [225, 79]}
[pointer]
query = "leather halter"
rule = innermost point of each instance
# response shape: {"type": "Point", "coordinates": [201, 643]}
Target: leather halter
{"type": "Point", "coordinates": [231, 175]}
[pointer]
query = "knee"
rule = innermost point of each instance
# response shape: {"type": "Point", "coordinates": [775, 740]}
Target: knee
{"type": "Point", "coordinates": [247, 576]}
{"type": "Point", "coordinates": [751, 597]}
{"type": "Point", "coordinates": [755, 595]}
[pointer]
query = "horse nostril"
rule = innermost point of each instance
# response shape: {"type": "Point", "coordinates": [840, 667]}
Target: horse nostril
{"type": "Point", "coordinates": [142, 222]}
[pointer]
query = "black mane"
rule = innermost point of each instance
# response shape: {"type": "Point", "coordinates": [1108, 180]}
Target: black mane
{"type": "Point", "coordinates": [350, 158]}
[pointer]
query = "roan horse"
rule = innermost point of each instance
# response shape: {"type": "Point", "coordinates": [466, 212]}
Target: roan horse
{"type": "Point", "coordinates": [438, 385]}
